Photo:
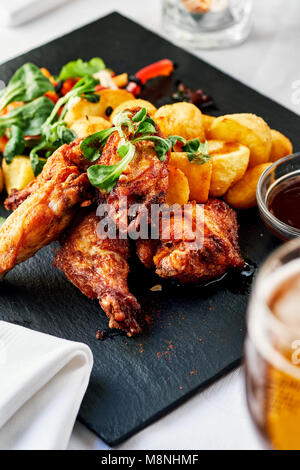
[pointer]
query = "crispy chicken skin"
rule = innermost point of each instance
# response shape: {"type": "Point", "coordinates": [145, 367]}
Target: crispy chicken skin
{"type": "Point", "coordinates": [60, 189]}
{"type": "Point", "coordinates": [146, 250]}
{"type": "Point", "coordinates": [17, 196]}
{"type": "Point", "coordinates": [217, 252]}
{"type": "Point", "coordinates": [99, 268]}
{"type": "Point", "coordinates": [145, 181]}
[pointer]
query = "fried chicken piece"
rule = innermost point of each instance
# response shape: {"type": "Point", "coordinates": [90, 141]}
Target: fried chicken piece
{"type": "Point", "coordinates": [145, 181]}
{"type": "Point", "coordinates": [99, 268]}
{"type": "Point", "coordinates": [58, 192]}
{"type": "Point", "coordinates": [146, 250]}
{"type": "Point", "coordinates": [207, 248]}
{"type": "Point", "coordinates": [17, 196]}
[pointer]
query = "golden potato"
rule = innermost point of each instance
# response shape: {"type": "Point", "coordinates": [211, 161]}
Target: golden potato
{"type": "Point", "coordinates": [281, 146]}
{"type": "Point", "coordinates": [18, 173]}
{"type": "Point", "coordinates": [199, 176]}
{"type": "Point", "coordinates": [89, 125]}
{"type": "Point", "coordinates": [247, 129]}
{"type": "Point", "coordinates": [229, 163]}
{"type": "Point", "coordinates": [242, 195]}
{"type": "Point", "coordinates": [207, 123]}
{"type": "Point", "coordinates": [183, 119]}
{"type": "Point", "coordinates": [79, 107]}
{"type": "Point", "coordinates": [1, 180]}
{"type": "Point", "coordinates": [112, 99]}
{"type": "Point", "coordinates": [178, 191]}
{"type": "Point", "coordinates": [121, 80]}
{"type": "Point", "coordinates": [134, 103]}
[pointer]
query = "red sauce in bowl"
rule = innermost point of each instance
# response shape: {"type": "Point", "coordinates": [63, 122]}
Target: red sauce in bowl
{"type": "Point", "coordinates": [284, 201]}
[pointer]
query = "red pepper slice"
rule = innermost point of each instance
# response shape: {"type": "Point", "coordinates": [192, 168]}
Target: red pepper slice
{"type": "Point", "coordinates": [52, 96]}
{"type": "Point", "coordinates": [68, 85]}
{"type": "Point", "coordinates": [163, 67]}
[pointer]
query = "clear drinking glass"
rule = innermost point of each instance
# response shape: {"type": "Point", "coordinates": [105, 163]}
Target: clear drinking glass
{"type": "Point", "coordinates": [272, 349]}
{"type": "Point", "coordinates": [208, 24]}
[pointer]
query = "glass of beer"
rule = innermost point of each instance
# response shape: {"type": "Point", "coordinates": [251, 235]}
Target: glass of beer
{"type": "Point", "coordinates": [273, 349]}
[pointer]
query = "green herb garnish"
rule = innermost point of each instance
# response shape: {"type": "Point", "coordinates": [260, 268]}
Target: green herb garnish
{"type": "Point", "coordinates": [93, 145]}
{"type": "Point", "coordinates": [79, 68]}
{"type": "Point", "coordinates": [132, 129]}
{"type": "Point", "coordinates": [106, 176]}
{"type": "Point", "coordinates": [197, 152]}
{"type": "Point", "coordinates": [54, 132]}
{"type": "Point", "coordinates": [25, 120]}
{"type": "Point", "coordinates": [2, 220]}
{"type": "Point", "coordinates": [27, 84]}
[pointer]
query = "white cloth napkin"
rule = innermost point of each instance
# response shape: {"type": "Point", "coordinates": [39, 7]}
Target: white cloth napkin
{"type": "Point", "coordinates": [42, 382]}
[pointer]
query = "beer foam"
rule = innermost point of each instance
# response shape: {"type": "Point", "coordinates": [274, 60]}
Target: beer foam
{"type": "Point", "coordinates": [282, 293]}
{"type": "Point", "coordinates": [286, 313]}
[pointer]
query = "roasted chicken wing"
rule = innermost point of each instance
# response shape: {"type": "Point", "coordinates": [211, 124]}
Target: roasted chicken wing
{"type": "Point", "coordinates": [99, 268]}
{"type": "Point", "coordinates": [200, 246]}
{"type": "Point", "coordinates": [47, 208]}
{"type": "Point", "coordinates": [144, 182]}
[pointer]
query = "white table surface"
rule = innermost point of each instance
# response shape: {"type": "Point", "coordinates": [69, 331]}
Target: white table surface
{"type": "Point", "coordinates": [216, 418]}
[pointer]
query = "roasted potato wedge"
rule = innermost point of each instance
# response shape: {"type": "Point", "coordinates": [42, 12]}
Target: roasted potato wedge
{"type": "Point", "coordinates": [111, 99]}
{"type": "Point", "coordinates": [121, 80]}
{"type": "Point", "coordinates": [247, 129]}
{"type": "Point", "coordinates": [242, 195]}
{"type": "Point", "coordinates": [89, 125]}
{"type": "Point", "coordinates": [135, 103]}
{"type": "Point", "coordinates": [207, 123]}
{"type": "Point", "coordinates": [281, 146]}
{"type": "Point", "coordinates": [79, 108]}
{"type": "Point", "coordinates": [17, 174]}
{"type": "Point", "coordinates": [178, 191]}
{"type": "Point", "coordinates": [229, 163]}
{"type": "Point", "coordinates": [199, 176]}
{"type": "Point", "coordinates": [183, 119]}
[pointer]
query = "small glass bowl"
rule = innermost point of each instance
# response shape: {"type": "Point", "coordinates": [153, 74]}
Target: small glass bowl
{"type": "Point", "coordinates": [280, 171]}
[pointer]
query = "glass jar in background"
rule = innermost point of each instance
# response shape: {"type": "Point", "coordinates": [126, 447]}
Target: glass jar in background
{"type": "Point", "coordinates": [208, 24]}
{"type": "Point", "coordinates": [272, 349]}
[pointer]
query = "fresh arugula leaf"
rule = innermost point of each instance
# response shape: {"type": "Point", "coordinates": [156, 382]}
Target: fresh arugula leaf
{"type": "Point", "coordinates": [2, 220]}
{"type": "Point", "coordinates": [140, 115]}
{"type": "Point", "coordinates": [79, 68]}
{"type": "Point", "coordinates": [123, 119]}
{"type": "Point", "coordinates": [197, 152]}
{"type": "Point", "coordinates": [15, 145]}
{"type": "Point", "coordinates": [173, 139]}
{"type": "Point", "coordinates": [27, 84]}
{"type": "Point", "coordinates": [93, 145]}
{"type": "Point", "coordinates": [123, 149]}
{"type": "Point", "coordinates": [105, 177]}
{"type": "Point", "coordinates": [54, 132]}
{"type": "Point", "coordinates": [84, 86]}
{"type": "Point", "coordinates": [37, 164]}
{"type": "Point", "coordinates": [29, 117]}
{"type": "Point", "coordinates": [146, 127]}
{"type": "Point", "coordinates": [53, 137]}
{"type": "Point", "coordinates": [92, 98]}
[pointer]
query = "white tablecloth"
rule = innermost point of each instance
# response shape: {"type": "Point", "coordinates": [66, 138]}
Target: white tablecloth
{"type": "Point", "coordinates": [216, 418]}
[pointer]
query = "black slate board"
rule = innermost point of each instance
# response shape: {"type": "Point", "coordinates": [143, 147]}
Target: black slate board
{"type": "Point", "coordinates": [195, 335]}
